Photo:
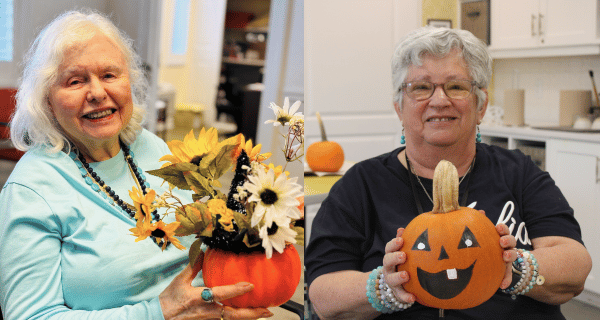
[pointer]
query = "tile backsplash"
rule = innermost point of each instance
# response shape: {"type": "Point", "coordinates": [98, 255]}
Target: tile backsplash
{"type": "Point", "coordinates": [543, 79]}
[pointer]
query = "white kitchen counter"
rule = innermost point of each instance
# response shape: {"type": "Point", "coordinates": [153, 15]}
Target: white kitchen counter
{"type": "Point", "coordinates": [528, 133]}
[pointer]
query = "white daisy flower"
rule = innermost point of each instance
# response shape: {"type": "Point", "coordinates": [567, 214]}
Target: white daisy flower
{"type": "Point", "coordinates": [285, 114]}
{"type": "Point", "coordinates": [275, 237]}
{"type": "Point", "coordinates": [274, 197]}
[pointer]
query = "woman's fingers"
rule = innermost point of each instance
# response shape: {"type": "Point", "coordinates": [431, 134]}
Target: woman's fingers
{"type": "Point", "coordinates": [509, 256]}
{"type": "Point", "coordinates": [221, 293]}
{"type": "Point", "coordinates": [396, 243]}
{"type": "Point", "coordinates": [507, 242]}
{"type": "Point", "coordinates": [246, 313]}
{"type": "Point", "coordinates": [392, 260]}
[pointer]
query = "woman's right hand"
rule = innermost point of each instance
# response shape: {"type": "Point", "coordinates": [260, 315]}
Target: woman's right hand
{"type": "Point", "coordinates": [392, 259]}
{"type": "Point", "coordinates": [181, 301]}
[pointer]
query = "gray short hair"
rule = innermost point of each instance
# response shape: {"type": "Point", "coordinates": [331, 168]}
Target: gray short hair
{"type": "Point", "coordinates": [439, 42]}
{"type": "Point", "coordinates": [33, 123]}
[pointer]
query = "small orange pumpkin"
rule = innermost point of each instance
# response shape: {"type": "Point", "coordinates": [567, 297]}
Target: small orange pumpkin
{"type": "Point", "coordinates": [453, 254]}
{"type": "Point", "coordinates": [324, 156]}
{"type": "Point", "coordinates": [275, 280]}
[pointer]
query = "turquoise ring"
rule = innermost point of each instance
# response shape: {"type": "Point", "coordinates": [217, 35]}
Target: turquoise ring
{"type": "Point", "coordinates": [207, 295]}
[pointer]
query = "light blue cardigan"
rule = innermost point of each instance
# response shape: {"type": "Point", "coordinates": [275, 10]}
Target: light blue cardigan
{"type": "Point", "coordinates": [66, 253]}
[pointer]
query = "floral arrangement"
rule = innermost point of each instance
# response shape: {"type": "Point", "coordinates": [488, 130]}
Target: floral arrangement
{"type": "Point", "coordinates": [263, 210]}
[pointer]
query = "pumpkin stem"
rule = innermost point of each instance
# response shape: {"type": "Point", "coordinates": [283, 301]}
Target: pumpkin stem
{"type": "Point", "coordinates": [445, 188]}
{"type": "Point", "coordinates": [323, 135]}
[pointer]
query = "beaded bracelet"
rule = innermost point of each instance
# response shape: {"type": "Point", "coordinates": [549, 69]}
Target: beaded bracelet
{"type": "Point", "coordinates": [381, 296]}
{"type": "Point", "coordinates": [527, 267]}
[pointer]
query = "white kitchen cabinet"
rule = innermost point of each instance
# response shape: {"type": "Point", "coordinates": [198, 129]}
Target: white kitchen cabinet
{"type": "Point", "coordinates": [575, 168]}
{"type": "Point", "coordinates": [543, 28]}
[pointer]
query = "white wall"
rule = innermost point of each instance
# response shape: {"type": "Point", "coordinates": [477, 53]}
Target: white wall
{"type": "Point", "coordinates": [30, 17]}
{"type": "Point", "coordinates": [542, 79]}
{"type": "Point", "coordinates": [348, 51]}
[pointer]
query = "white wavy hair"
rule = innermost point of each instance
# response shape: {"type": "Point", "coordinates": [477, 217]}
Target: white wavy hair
{"type": "Point", "coordinates": [439, 42]}
{"type": "Point", "coordinates": [33, 123]}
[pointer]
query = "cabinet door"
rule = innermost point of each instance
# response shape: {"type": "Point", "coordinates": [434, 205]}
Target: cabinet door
{"type": "Point", "coordinates": [514, 24]}
{"type": "Point", "coordinates": [574, 167]}
{"type": "Point", "coordinates": [564, 23]}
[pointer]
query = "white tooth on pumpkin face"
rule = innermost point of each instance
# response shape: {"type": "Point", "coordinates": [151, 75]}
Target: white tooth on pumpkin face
{"type": "Point", "coordinates": [452, 274]}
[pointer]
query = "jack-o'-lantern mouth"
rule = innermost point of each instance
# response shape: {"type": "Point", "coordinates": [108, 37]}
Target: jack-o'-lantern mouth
{"type": "Point", "coordinates": [445, 284]}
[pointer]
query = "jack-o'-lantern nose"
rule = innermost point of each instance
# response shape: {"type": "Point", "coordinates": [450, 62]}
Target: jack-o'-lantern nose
{"type": "Point", "coordinates": [443, 254]}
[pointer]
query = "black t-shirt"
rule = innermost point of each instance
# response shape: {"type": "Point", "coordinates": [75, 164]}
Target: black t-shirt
{"type": "Point", "coordinates": [374, 198]}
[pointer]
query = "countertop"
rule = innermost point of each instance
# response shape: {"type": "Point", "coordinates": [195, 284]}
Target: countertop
{"type": "Point", "coordinates": [529, 133]}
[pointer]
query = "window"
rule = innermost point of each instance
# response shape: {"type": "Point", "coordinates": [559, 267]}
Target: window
{"type": "Point", "coordinates": [6, 30]}
{"type": "Point", "coordinates": [180, 27]}
{"type": "Point", "coordinates": [176, 14]}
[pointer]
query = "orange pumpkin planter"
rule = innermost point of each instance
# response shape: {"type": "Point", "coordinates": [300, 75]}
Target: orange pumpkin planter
{"type": "Point", "coordinates": [324, 156]}
{"type": "Point", "coordinates": [453, 254]}
{"type": "Point", "coordinates": [275, 280]}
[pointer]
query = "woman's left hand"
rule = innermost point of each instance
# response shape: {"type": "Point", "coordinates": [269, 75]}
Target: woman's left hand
{"type": "Point", "coordinates": [508, 243]}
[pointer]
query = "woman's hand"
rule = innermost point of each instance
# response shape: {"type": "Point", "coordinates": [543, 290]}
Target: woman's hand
{"type": "Point", "coordinates": [508, 243]}
{"type": "Point", "coordinates": [181, 301]}
{"type": "Point", "coordinates": [392, 259]}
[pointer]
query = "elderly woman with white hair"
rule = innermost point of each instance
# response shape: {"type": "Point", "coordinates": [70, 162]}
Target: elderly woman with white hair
{"type": "Point", "coordinates": [440, 77]}
{"type": "Point", "coordinates": [67, 252]}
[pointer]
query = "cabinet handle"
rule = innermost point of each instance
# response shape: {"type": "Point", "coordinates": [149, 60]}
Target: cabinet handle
{"type": "Point", "coordinates": [540, 23]}
{"type": "Point", "coordinates": [597, 170]}
{"type": "Point", "coordinates": [533, 25]}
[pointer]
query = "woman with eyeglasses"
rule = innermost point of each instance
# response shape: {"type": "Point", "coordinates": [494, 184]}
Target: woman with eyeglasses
{"type": "Point", "coordinates": [440, 78]}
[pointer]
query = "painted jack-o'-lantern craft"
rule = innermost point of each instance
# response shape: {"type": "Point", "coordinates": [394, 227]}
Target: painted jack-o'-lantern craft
{"type": "Point", "coordinates": [453, 254]}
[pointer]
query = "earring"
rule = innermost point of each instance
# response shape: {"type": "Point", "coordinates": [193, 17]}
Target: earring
{"type": "Point", "coordinates": [478, 139]}
{"type": "Point", "coordinates": [402, 138]}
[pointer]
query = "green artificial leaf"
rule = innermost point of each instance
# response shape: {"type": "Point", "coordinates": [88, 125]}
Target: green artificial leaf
{"type": "Point", "coordinates": [248, 244]}
{"type": "Point", "coordinates": [242, 221]}
{"type": "Point", "coordinates": [219, 195]}
{"type": "Point", "coordinates": [206, 222]}
{"type": "Point", "coordinates": [196, 197]}
{"type": "Point", "coordinates": [188, 219]}
{"type": "Point", "coordinates": [175, 174]}
{"type": "Point", "coordinates": [299, 236]}
{"type": "Point", "coordinates": [200, 184]}
{"type": "Point", "coordinates": [220, 160]}
{"type": "Point", "coordinates": [195, 252]}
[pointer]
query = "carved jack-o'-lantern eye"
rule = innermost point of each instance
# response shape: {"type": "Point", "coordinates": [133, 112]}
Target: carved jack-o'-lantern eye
{"type": "Point", "coordinates": [422, 242]}
{"type": "Point", "coordinates": [468, 240]}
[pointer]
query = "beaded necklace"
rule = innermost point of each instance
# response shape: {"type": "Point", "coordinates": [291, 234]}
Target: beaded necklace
{"type": "Point", "coordinates": [93, 180]}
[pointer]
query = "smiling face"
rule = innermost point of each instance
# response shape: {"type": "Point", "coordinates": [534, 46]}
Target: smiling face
{"type": "Point", "coordinates": [91, 99]}
{"type": "Point", "coordinates": [440, 120]}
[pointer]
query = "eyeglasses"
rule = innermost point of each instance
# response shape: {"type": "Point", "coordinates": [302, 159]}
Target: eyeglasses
{"type": "Point", "coordinates": [454, 89]}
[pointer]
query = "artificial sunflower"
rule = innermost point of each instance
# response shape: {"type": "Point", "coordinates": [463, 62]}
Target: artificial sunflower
{"type": "Point", "coordinates": [160, 230]}
{"type": "Point", "coordinates": [274, 197]}
{"type": "Point", "coordinates": [219, 207]}
{"type": "Point", "coordinates": [191, 149]}
{"type": "Point", "coordinates": [278, 170]}
{"type": "Point", "coordinates": [252, 152]}
{"type": "Point", "coordinates": [284, 114]}
{"type": "Point", "coordinates": [143, 203]}
{"type": "Point", "coordinates": [276, 236]}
